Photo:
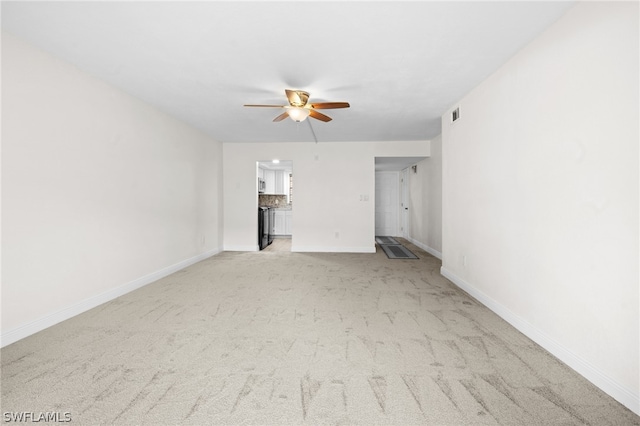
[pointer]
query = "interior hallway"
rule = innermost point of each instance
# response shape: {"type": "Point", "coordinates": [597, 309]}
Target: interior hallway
{"type": "Point", "coordinates": [276, 337]}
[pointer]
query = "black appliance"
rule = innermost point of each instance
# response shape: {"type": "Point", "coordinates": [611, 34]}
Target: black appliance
{"type": "Point", "coordinates": [272, 224]}
{"type": "Point", "coordinates": [263, 227]}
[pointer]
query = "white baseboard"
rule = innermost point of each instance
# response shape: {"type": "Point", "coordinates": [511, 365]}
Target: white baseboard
{"type": "Point", "coordinates": [425, 247]}
{"type": "Point", "coordinates": [625, 396]}
{"type": "Point", "coordinates": [47, 321]}
{"type": "Point", "coordinates": [324, 249]}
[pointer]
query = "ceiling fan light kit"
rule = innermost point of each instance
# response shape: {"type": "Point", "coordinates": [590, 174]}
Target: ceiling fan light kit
{"type": "Point", "coordinates": [299, 107]}
{"type": "Point", "coordinates": [298, 114]}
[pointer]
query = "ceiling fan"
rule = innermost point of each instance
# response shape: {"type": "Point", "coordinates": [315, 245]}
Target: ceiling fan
{"type": "Point", "coordinates": [299, 107]}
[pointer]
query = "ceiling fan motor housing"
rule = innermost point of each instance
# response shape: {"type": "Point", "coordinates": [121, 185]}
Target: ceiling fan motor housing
{"type": "Point", "coordinates": [302, 98]}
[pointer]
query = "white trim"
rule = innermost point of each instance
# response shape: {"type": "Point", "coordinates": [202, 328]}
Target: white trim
{"type": "Point", "coordinates": [625, 396]}
{"type": "Point", "coordinates": [324, 249]}
{"type": "Point", "coordinates": [47, 321]}
{"type": "Point", "coordinates": [426, 248]}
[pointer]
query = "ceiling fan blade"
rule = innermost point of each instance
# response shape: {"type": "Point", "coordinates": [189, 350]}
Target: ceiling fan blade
{"type": "Point", "coordinates": [330, 105]}
{"type": "Point", "coordinates": [281, 117]}
{"type": "Point", "coordinates": [319, 116]}
{"type": "Point", "coordinates": [266, 106]}
{"type": "Point", "coordinates": [297, 98]}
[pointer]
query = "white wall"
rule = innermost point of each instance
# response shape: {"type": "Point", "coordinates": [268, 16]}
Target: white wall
{"type": "Point", "coordinates": [100, 192]}
{"type": "Point", "coordinates": [425, 201]}
{"type": "Point", "coordinates": [540, 193]}
{"type": "Point", "coordinates": [328, 180]}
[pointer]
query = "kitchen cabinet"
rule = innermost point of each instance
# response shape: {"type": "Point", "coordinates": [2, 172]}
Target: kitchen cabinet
{"type": "Point", "coordinates": [270, 181]}
{"type": "Point", "coordinates": [287, 222]}
{"type": "Point", "coordinates": [280, 227]}
{"type": "Point", "coordinates": [280, 178]}
{"type": "Point", "coordinates": [276, 181]}
{"type": "Point", "coordinates": [282, 222]}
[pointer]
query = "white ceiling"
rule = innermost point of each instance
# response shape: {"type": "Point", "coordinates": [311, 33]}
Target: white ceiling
{"type": "Point", "coordinates": [401, 65]}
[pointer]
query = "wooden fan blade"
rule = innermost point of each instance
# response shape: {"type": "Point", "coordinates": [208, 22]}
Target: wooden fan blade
{"type": "Point", "coordinates": [281, 117]}
{"type": "Point", "coordinates": [266, 106]}
{"type": "Point", "coordinates": [330, 105]}
{"type": "Point", "coordinates": [297, 98]}
{"type": "Point", "coordinates": [319, 116]}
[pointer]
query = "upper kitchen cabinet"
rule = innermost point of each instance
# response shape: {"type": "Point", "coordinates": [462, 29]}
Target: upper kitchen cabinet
{"type": "Point", "coordinates": [276, 177]}
{"type": "Point", "coordinates": [270, 182]}
{"type": "Point", "coordinates": [281, 181]}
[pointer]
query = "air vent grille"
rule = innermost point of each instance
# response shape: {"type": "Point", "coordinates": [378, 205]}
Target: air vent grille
{"type": "Point", "coordinates": [455, 114]}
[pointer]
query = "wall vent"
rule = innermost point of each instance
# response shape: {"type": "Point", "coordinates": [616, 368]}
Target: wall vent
{"type": "Point", "coordinates": [455, 114]}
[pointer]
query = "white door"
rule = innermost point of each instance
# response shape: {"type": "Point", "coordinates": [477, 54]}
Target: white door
{"type": "Point", "coordinates": [404, 203]}
{"type": "Point", "coordinates": [387, 204]}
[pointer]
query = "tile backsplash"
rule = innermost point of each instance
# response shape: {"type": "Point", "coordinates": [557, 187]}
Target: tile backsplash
{"type": "Point", "coordinates": [270, 200]}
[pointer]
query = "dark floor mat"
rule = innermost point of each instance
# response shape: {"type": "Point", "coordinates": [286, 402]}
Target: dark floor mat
{"type": "Point", "coordinates": [397, 251]}
{"type": "Point", "coordinates": [386, 240]}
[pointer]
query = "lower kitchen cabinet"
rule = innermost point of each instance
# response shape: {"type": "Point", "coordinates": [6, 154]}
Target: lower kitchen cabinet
{"type": "Point", "coordinates": [282, 222]}
{"type": "Point", "coordinates": [287, 222]}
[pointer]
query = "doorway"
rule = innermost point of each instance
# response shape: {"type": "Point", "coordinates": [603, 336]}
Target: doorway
{"type": "Point", "coordinates": [392, 179]}
{"type": "Point", "coordinates": [275, 198]}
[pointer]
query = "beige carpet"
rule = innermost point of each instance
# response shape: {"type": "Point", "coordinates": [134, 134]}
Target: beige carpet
{"type": "Point", "coordinates": [281, 338]}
